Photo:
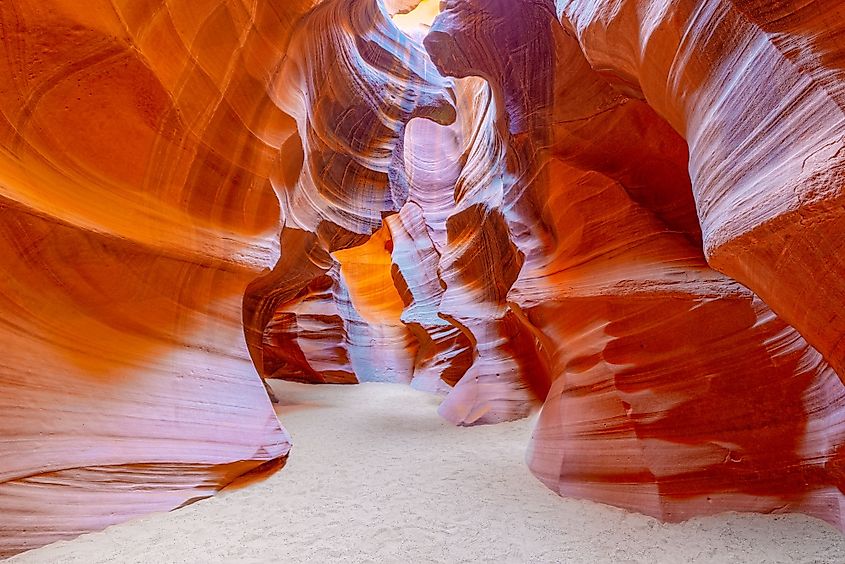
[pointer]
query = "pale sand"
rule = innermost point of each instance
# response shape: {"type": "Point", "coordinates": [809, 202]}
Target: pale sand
{"type": "Point", "coordinates": [376, 476]}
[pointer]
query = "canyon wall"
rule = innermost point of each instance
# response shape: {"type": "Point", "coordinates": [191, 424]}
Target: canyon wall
{"type": "Point", "coordinates": [624, 213]}
{"type": "Point", "coordinates": [137, 142]}
{"type": "Point", "coordinates": [675, 390]}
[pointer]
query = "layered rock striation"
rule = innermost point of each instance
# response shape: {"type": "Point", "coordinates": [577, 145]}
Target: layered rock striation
{"type": "Point", "coordinates": [627, 213]}
{"type": "Point", "coordinates": [669, 379]}
{"type": "Point", "coordinates": [136, 148]}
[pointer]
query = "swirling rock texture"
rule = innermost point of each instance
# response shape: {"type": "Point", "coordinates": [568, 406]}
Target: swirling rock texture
{"type": "Point", "coordinates": [136, 145]}
{"type": "Point", "coordinates": [628, 212]}
{"type": "Point", "coordinates": [676, 391]}
{"type": "Point", "coordinates": [761, 108]}
{"type": "Point", "coordinates": [352, 81]}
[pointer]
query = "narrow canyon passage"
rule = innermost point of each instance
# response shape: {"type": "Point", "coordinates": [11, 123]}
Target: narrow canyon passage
{"type": "Point", "coordinates": [614, 227]}
{"type": "Point", "coordinates": [377, 476]}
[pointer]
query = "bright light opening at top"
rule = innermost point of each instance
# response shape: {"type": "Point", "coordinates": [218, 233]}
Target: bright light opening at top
{"type": "Point", "coordinates": [410, 18]}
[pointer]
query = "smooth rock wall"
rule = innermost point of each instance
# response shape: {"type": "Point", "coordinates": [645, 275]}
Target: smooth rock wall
{"type": "Point", "coordinates": [625, 213]}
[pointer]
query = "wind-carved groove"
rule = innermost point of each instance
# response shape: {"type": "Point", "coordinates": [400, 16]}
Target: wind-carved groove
{"type": "Point", "coordinates": [356, 190]}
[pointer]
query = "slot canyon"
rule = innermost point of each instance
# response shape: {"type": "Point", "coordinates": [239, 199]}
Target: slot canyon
{"type": "Point", "coordinates": [621, 222]}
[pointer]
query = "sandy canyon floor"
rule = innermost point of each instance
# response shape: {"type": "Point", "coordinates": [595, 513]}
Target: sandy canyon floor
{"type": "Point", "coordinates": [377, 476]}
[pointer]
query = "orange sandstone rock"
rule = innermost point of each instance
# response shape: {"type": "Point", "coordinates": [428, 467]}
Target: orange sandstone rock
{"type": "Point", "coordinates": [628, 212]}
{"type": "Point", "coordinates": [649, 349]}
{"type": "Point", "coordinates": [756, 89]}
{"type": "Point", "coordinates": [136, 145]}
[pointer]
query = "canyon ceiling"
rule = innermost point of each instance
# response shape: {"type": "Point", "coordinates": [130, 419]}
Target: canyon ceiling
{"type": "Point", "coordinates": [628, 212]}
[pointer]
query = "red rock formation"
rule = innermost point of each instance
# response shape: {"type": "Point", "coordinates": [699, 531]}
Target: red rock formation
{"type": "Point", "coordinates": [383, 348]}
{"type": "Point", "coordinates": [756, 88]}
{"type": "Point", "coordinates": [652, 352]}
{"type": "Point", "coordinates": [630, 210]}
{"type": "Point", "coordinates": [444, 352]}
{"type": "Point", "coordinates": [136, 143]}
{"type": "Point", "coordinates": [352, 81]}
{"type": "Point", "coordinates": [306, 340]}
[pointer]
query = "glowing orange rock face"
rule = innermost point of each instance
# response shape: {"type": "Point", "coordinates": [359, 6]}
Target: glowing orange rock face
{"type": "Point", "coordinates": [555, 209]}
{"type": "Point", "coordinates": [762, 110]}
{"type": "Point", "coordinates": [677, 392]}
{"type": "Point", "coordinates": [136, 145]}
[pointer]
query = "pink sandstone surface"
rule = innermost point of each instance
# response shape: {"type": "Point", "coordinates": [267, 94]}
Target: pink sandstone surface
{"type": "Point", "coordinates": [625, 213]}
